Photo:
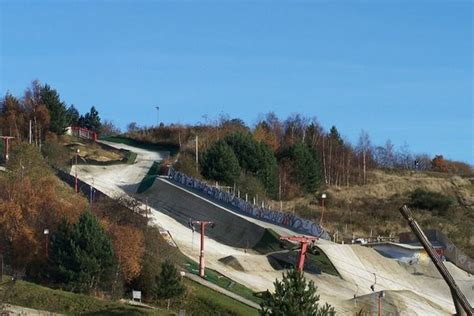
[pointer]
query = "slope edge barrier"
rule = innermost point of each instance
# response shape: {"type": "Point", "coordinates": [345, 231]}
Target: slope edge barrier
{"type": "Point", "coordinates": [291, 221]}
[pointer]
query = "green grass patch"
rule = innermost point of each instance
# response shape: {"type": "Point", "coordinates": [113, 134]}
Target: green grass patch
{"type": "Point", "coordinates": [271, 242]}
{"type": "Point", "coordinates": [34, 296]}
{"type": "Point", "coordinates": [223, 281]}
{"type": "Point", "coordinates": [131, 157]}
{"type": "Point", "coordinates": [322, 261]}
{"type": "Point", "coordinates": [150, 177]}
{"type": "Point", "coordinates": [172, 148]}
{"type": "Point", "coordinates": [205, 301]}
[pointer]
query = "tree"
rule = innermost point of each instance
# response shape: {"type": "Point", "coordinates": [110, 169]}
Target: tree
{"type": "Point", "coordinates": [439, 164]}
{"type": "Point", "coordinates": [168, 283]}
{"type": "Point", "coordinates": [294, 296]}
{"type": "Point", "coordinates": [108, 128]}
{"type": "Point", "coordinates": [73, 115]}
{"type": "Point", "coordinates": [92, 120]}
{"type": "Point", "coordinates": [256, 158]}
{"type": "Point", "coordinates": [364, 149]}
{"type": "Point", "coordinates": [307, 170]}
{"type": "Point", "coordinates": [59, 118]}
{"type": "Point", "coordinates": [82, 254]}
{"type": "Point", "coordinates": [129, 248]}
{"type": "Point", "coordinates": [220, 163]}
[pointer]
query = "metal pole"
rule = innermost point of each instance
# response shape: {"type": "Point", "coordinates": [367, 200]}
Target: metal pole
{"type": "Point", "coordinates": [303, 250]}
{"type": "Point", "coordinates": [197, 153]}
{"type": "Point", "coordinates": [158, 116]}
{"type": "Point", "coordinates": [30, 135]}
{"type": "Point", "coordinates": [459, 300]}
{"type": "Point", "coordinates": [201, 256]}
{"type": "Point", "coordinates": [1, 270]}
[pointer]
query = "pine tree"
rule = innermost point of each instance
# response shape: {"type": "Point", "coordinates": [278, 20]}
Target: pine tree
{"type": "Point", "coordinates": [307, 169]}
{"type": "Point", "coordinates": [255, 158]}
{"type": "Point", "coordinates": [168, 283]}
{"type": "Point", "coordinates": [82, 254]}
{"type": "Point", "coordinates": [57, 110]}
{"type": "Point", "coordinates": [294, 296]}
{"type": "Point", "coordinates": [73, 115]}
{"type": "Point", "coordinates": [92, 120]}
{"type": "Point", "coordinates": [220, 163]}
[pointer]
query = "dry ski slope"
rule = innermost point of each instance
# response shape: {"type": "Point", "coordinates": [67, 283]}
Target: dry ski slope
{"type": "Point", "coordinates": [416, 290]}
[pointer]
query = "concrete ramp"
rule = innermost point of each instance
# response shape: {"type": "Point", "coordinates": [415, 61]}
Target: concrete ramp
{"type": "Point", "coordinates": [182, 206]}
{"type": "Point", "coordinates": [396, 303]}
{"type": "Point", "coordinates": [365, 267]}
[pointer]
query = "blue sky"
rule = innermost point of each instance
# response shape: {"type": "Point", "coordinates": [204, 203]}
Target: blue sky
{"type": "Point", "coordinates": [401, 70]}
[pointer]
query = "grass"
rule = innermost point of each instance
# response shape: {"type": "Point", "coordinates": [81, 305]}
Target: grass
{"type": "Point", "coordinates": [271, 242]}
{"type": "Point", "coordinates": [223, 281]}
{"type": "Point", "coordinates": [149, 178]}
{"type": "Point", "coordinates": [322, 261]}
{"type": "Point", "coordinates": [34, 296]}
{"type": "Point", "coordinates": [209, 302]}
{"type": "Point", "coordinates": [172, 148]}
{"type": "Point", "coordinates": [131, 157]}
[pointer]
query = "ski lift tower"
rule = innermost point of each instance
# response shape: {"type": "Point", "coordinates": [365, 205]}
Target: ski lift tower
{"type": "Point", "coordinates": [304, 241]}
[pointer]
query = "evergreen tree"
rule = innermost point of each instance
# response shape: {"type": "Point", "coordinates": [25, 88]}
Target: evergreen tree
{"type": "Point", "coordinates": [294, 296]}
{"type": "Point", "coordinates": [92, 120]}
{"type": "Point", "coordinates": [82, 254]}
{"type": "Point", "coordinates": [73, 116]}
{"type": "Point", "coordinates": [220, 163]}
{"type": "Point", "coordinates": [335, 136]}
{"type": "Point", "coordinates": [256, 158]}
{"type": "Point", "coordinates": [56, 108]}
{"type": "Point", "coordinates": [168, 283]}
{"type": "Point", "coordinates": [268, 171]}
{"type": "Point", "coordinates": [306, 166]}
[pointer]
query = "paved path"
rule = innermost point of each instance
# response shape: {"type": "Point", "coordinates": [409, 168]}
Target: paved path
{"type": "Point", "coordinates": [221, 290]}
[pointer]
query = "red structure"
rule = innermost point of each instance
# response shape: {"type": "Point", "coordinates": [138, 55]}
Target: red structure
{"type": "Point", "coordinates": [203, 225]}
{"type": "Point", "coordinates": [83, 133]}
{"type": "Point", "coordinates": [6, 141]}
{"type": "Point", "coordinates": [303, 240]}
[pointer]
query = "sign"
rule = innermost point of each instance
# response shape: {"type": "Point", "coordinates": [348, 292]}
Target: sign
{"type": "Point", "coordinates": [137, 295]}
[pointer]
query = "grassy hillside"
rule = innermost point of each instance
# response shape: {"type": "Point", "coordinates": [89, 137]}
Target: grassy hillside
{"type": "Point", "coordinates": [373, 207]}
{"type": "Point", "coordinates": [34, 296]}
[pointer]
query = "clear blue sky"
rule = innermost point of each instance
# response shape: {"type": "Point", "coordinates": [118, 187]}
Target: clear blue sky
{"type": "Point", "coordinates": [398, 69]}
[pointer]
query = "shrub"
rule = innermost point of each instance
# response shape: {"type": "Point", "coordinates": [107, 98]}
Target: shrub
{"type": "Point", "coordinates": [428, 200]}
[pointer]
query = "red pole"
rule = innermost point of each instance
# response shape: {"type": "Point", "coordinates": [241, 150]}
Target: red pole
{"type": "Point", "coordinates": [303, 250]}
{"type": "Point", "coordinates": [303, 240]}
{"type": "Point", "coordinates": [201, 255]}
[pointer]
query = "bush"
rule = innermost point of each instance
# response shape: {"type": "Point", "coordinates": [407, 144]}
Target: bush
{"type": "Point", "coordinates": [187, 165]}
{"type": "Point", "coordinates": [430, 201]}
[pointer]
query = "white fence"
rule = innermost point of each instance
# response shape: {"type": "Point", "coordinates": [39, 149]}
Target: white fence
{"type": "Point", "coordinates": [291, 221]}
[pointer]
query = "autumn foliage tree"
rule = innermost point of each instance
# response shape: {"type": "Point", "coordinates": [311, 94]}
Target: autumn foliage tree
{"type": "Point", "coordinates": [31, 199]}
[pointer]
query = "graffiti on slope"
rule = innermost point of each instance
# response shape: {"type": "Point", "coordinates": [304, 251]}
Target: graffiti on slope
{"type": "Point", "coordinates": [292, 221]}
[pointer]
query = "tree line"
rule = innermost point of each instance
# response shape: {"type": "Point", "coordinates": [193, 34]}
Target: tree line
{"type": "Point", "coordinates": [40, 111]}
{"type": "Point", "coordinates": [284, 158]}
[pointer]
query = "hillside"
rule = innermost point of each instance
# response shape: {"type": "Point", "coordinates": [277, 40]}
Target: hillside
{"type": "Point", "coordinates": [373, 208]}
